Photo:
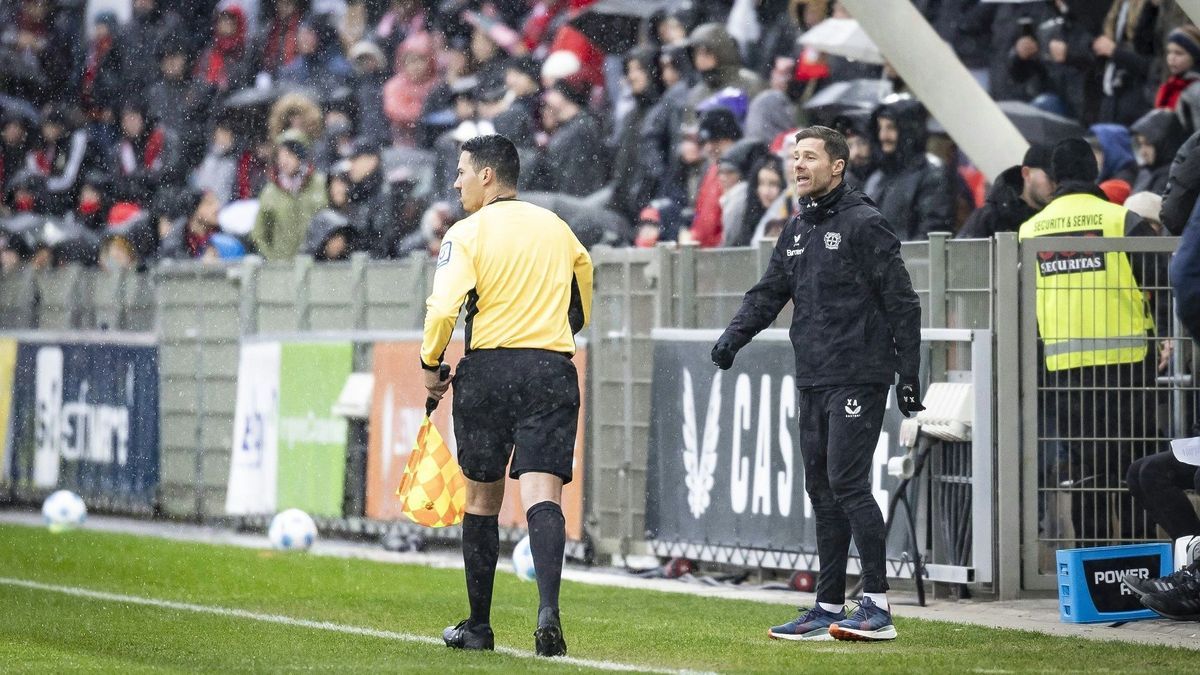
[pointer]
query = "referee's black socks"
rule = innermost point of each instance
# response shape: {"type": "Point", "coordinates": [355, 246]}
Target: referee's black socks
{"type": "Point", "coordinates": [481, 549]}
{"type": "Point", "coordinates": [547, 541]}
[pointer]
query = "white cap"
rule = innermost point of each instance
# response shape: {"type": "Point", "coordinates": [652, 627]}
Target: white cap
{"type": "Point", "coordinates": [1146, 204]}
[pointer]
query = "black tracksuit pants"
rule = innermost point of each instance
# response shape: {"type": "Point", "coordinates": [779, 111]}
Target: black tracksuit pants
{"type": "Point", "coordinates": [1158, 483]}
{"type": "Point", "coordinates": [839, 429]}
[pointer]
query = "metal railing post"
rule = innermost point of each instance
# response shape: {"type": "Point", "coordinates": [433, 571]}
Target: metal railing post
{"type": "Point", "coordinates": [1006, 323]}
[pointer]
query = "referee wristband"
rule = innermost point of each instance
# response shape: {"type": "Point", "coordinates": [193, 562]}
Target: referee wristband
{"type": "Point", "coordinates": [429, 368]}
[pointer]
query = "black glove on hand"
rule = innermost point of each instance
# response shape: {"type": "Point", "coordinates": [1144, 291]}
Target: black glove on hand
{"type": "Point", "coordinates": [723, 353]}
{"type": "Point", "coordinates": [908, 397]}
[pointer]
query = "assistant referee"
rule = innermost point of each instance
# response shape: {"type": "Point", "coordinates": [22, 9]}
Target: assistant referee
{"type": "Point", "coordinates": [526, 282]}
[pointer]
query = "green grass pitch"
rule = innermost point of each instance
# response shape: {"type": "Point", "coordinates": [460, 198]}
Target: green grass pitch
{"type": "Point", "coordinates": [48, 631]}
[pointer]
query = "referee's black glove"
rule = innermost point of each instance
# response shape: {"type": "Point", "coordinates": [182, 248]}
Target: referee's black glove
{"type": "Point", "coordinates": [723, 353]}
{"type": "Point", "coordinates": [908, 397]}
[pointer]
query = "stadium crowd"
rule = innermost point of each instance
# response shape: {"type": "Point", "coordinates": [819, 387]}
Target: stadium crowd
{"type": "Point", "coordinates": [150, 130]}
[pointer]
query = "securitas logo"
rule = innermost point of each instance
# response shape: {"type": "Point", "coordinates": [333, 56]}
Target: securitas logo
{"type": "Point", "coordinates": [853, 409]}
{"type": "Point", "coordinates": [1051, 263]}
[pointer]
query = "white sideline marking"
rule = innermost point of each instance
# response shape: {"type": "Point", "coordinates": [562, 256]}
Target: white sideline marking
{"type": "Point", "coordinates": [319, 625]}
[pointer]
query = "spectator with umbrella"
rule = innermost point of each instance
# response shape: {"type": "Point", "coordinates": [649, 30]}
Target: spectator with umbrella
{"type": "Point", "coordinates": [910, 190]}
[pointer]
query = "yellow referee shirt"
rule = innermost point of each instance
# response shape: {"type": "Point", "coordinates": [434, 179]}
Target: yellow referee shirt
{"type": "Point", "coordinates": [526, 281]}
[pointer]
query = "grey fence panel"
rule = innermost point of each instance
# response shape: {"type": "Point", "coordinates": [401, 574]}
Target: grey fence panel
{"type": "Point", "coordinates": [200, 326]}
{"type": "Point", "coordinates": [969, 283]}
{"type": "Point", "coordinates": [722, 277]}
{"type": "Point", "coordinates": [916, 260]}
{"type": "Point", "coordinates": [139, 303]}
{"type": "Point", "coordinates": [18, 299]}
{"type": "Point", "coordinates": [334, 290]}
{"type": "Point", "coordinates": [623, 315]}
{"type": "Point", "coordinates": [108, 301]}
{"type": "Point", "coordinates": [64, 298]}
{"type": "Point", "coordinates": [280, 299]}
{"type": "Point", "coordinates": [395, 294]}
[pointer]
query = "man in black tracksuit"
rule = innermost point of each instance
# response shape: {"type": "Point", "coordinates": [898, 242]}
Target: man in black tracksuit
{"type": "Point", "coordinates": [857, 323]}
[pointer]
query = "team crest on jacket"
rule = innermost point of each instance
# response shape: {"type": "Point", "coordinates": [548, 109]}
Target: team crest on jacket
{"type": "Point", "coordinates": [833, 240]}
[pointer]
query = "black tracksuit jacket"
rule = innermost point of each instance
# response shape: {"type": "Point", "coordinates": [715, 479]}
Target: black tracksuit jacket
{"type": "Point", "coordinates": [857, 319]}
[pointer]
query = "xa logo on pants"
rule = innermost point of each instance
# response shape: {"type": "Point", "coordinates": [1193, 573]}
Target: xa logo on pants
{"type": "Point", "coordinates": [853, 409]}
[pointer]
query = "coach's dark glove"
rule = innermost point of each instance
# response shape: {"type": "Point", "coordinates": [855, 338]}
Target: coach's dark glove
{"type": "Point", "coordinates": [908, 397]}
{"type": "Point", "coordinates": [723, 353]}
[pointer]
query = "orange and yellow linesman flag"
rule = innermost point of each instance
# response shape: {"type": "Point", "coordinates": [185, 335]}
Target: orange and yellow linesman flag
{"type": "Point", "coordinates": [432, 491]}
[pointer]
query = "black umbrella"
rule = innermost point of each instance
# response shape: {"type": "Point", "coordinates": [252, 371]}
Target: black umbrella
{"type": "Point", "coordinates": [252, 98]}
{"type": "Point", "coordinates": [1038, 126]}
{"type": "Point", "coordinates": [614, 25]}
{"type": "Point", "coordinates": [840, 97]}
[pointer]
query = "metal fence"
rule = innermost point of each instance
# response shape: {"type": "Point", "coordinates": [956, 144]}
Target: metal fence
{"type": "Point", "coordinates": [1093, 406]}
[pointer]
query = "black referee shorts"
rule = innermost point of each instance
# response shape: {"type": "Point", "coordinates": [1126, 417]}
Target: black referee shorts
{"type": "Point", "coordinates": [518, 402]}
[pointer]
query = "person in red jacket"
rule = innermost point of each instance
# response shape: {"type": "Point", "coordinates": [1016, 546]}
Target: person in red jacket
{"type": "Point", "coordinates": [719, 130]}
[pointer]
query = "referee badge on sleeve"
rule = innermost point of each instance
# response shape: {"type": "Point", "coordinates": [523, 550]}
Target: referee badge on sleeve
{"type": "Point", "coordinates": [444, 254]}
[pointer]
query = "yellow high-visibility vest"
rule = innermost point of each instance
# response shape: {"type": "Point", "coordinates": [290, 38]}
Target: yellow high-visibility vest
{"type": "Point", "coordinates": [1090, 310]}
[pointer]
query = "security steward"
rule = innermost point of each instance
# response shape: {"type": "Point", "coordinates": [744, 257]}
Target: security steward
{"type": "Point", "coordinates": [856, 324]}
{"type": "Point", "coordinates": [526, 282]}
{"type": "Point", "coordinates": [1096, 327]}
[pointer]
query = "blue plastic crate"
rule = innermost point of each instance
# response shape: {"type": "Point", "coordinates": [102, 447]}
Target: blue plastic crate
{"type": "Point", "coordinates": [1089, 581]}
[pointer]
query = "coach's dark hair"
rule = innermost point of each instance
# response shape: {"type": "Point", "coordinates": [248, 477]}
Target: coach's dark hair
{"type": "Point", "coordinates": [497, 152]}
{"type": "Point", "coordinates": [835, 142]}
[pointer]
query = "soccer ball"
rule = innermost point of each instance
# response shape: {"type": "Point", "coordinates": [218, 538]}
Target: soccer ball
{"type": "Point", "coordinates": [292, 530]}
{"type": "Point", "coordinates": [63, 510]}
{"type": "Point", "coordinates": [522, 560]}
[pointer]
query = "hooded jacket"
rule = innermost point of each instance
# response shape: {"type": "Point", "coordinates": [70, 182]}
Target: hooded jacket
{"type": "Point", "coordinates": [728, 71]}
{"type": "Point", "coordinates": [1183, 186]}
{"type": "Point", "coordinates": [1118, 153]}
{"type": "Point", "coordinates": [1162, 129]}
{"type": "Point", "coordinates": [1003, 209]}
{"type": "Point", "coordinates": [630, 184]}
{"type": "Point", "coordinates": [403, 96]}
{"type": "Point", "coordinates": [324, 225]}
{"type": "Point", "coordinates": [855, 318]}
{"type": "Point", "coordinates": [909, 188]}
{"type": "Point", "coordinates": [284, 215]}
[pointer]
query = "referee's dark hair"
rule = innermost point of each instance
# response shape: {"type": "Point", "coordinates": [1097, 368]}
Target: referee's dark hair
{"type": "Point", "coordinates": [835, 143]}
{"type": "Point", "coordinates": [497, 152]}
